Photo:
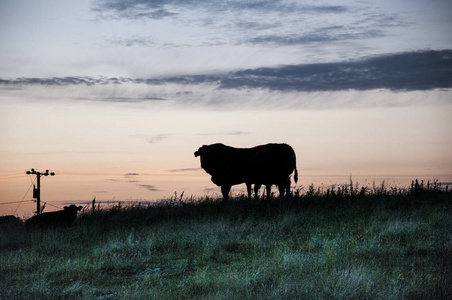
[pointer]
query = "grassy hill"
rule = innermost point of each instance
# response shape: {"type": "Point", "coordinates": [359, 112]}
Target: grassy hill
{"type": "Point", "coordinates": [343, 243]}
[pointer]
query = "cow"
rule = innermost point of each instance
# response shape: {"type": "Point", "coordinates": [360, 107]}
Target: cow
{"type": "Point", "coordinates": [265, 164]}
{"type": "Point", "coordinates": [54, 219]}
{"type": "Point", "coordinates": [9, 219]}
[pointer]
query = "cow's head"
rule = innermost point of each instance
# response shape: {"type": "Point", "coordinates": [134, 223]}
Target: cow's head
{"type": "Point", "coordinates": [205, 153]}
{"type": "Point", "coordinates": [73, 208]}
{"type": "Point", "coordinates": [211, 157]}
{"type": "Point", "coordinates": [210, 150]}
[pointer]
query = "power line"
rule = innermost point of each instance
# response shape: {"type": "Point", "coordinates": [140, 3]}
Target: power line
{"type": "Point", "coordinates": [47, 203]}
{"type": "Point", "coordinates": [13, 202]}
{"type": "Point", "coordinates": [25, 195]}
{"type": "Point", "coordinates": [16, 202]}
{"type": "Point", "coordinates": [10, 176]}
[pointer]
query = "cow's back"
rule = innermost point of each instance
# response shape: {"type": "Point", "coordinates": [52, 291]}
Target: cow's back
{"type": "Point", "coordinates": [51, 219]}
{"type": "Point", "coordinates": [272, 162]}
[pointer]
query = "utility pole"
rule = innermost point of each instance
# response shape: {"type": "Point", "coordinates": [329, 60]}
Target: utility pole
{"type": "Point", "coordinates": [37, 191]}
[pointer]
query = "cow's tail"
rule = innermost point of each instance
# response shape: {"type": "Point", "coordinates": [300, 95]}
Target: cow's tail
{"type": "Point", "coordinates": [295, 176]}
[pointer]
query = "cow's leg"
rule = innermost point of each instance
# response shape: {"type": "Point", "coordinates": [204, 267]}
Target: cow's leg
{"type": "Point", "coordinates": [268, 187]}
{"type": "Point", "coordinates": [225, 189]}
{"type": "Point", "coordinates": [248, 189]}
{"type": "Point", "coordinates": [281, 187]}
{"type": "Point", "coordinates": [257, 187]}
{"type": "Point", "coordinates": [287, 186]}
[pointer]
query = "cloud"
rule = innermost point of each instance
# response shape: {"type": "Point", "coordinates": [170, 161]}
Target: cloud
{"type": "Point", "coordinates": [411, 71]}
{"type": "Point", "coordinates": [237, 132]}
{"type": "Point", "coordinates": [132, 41]}
{"type": "Point", "coordinates": [256, 22]}
{"type": "Point", "coordinates": [156, 138]}
{"type": "Point", "coordinates": [55, 81]}
{"type": "Point", "coordinates": [116, 9]}
{"type": "Point", "coordinates": [132, 179]}
{"type": "Point", "coordinates": [149, 187]}
{"type": "Point", "coordinates": [64, 81]}
{"type": "Point", "coordinates": [120, 99]}
{"type": "Point", "coordinates": [211, 190]}
{"type": "Point", "coordinates": [127, 99]}
{"type": "Point", "coordinates": [184, 170]}
{"type": "Point", "coordinates": [155, 14]}
{"type": "Point", "coordinates": [127, 175]}
{"type": "Point", "coordinates": [134, 9]}
{"type": "Point", "coordinates": [323, 35]}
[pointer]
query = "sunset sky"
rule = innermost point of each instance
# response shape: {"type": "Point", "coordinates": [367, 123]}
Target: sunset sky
{"type": "Point", "coordinates": [116, 96]}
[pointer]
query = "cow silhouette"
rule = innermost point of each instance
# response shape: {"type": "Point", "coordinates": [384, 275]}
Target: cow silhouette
{"type": "Point", "coordinates": [54, 219]}
{"type": "Point", "coordinates": [8, 219]}
{"type": "Point", "coordinates": [265, 164]}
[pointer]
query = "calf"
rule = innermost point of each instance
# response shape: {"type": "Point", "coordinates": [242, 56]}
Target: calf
{"type": "Point", "coordinates": [54, 219]}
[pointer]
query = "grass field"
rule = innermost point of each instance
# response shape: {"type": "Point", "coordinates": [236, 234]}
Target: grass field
{"type": "Point", "coordinates": [343, 243]}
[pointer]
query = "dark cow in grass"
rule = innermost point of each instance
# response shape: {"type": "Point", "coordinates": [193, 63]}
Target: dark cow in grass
{"type": "Point", "coordinates": [54, 219]}
{"type": "Point", "coordinates": [265, 164]}
{"type": "Point", "coordinates": [9, 219]}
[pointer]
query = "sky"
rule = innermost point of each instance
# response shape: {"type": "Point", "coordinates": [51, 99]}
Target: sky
{"type": "Point", "coordinates": [116, 96]}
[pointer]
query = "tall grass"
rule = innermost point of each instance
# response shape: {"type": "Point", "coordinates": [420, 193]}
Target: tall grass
{"type": "Point", "coordinates": [343, 243]}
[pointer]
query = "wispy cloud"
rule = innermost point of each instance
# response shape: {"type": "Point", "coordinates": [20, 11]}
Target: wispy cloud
{"type": "Point", "coordinates": [149, 187]}
{"type": "Point", "coordinates": [130, 41]}
{"type": "Point", "coordinates": [159, 9]}
{"type": "Point", "coordinates": [226, 133]}
{"type": "Point", "coordinates": [125, 99]}
{"type": "Point", "coordinates": [113, 9]}
{"type": "Point", "coordinates": [132, 177]}
{"type": "Point", "coordinates": [184, 170]}
{"type": "Point", "coordinates": [324, 35]}
{"type": "Point", "coordinates": [276, 22]}
{"type": "Point", "coordinates": [156, 138]}
{"type": "Point", "coordinates": [128, 175]}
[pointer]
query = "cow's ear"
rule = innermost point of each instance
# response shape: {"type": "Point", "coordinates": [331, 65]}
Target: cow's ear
{"type": "Point", "coordinates": [79, 208]}
{"type": "Point", "coordinates": [66, 207]}
{"type": "Point", "coordinates": [201, 149]}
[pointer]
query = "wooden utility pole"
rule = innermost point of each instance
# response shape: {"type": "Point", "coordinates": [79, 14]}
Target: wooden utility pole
{"type": "Point", "coordinates": [37, 191]}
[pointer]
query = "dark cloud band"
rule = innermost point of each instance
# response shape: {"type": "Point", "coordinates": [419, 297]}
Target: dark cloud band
{"type": "Point", "coordinates": [134, 9]}
{"type": "Point", "coordinates": [410, 71]}
{"type": "Point", "coordinates": [404, 71]}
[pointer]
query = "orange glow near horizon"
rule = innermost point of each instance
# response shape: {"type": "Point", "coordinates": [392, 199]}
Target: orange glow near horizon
{"type": "Point", "coordinates": [124, 153]}
{"type": "Point", "coordinates": [65, 189]}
